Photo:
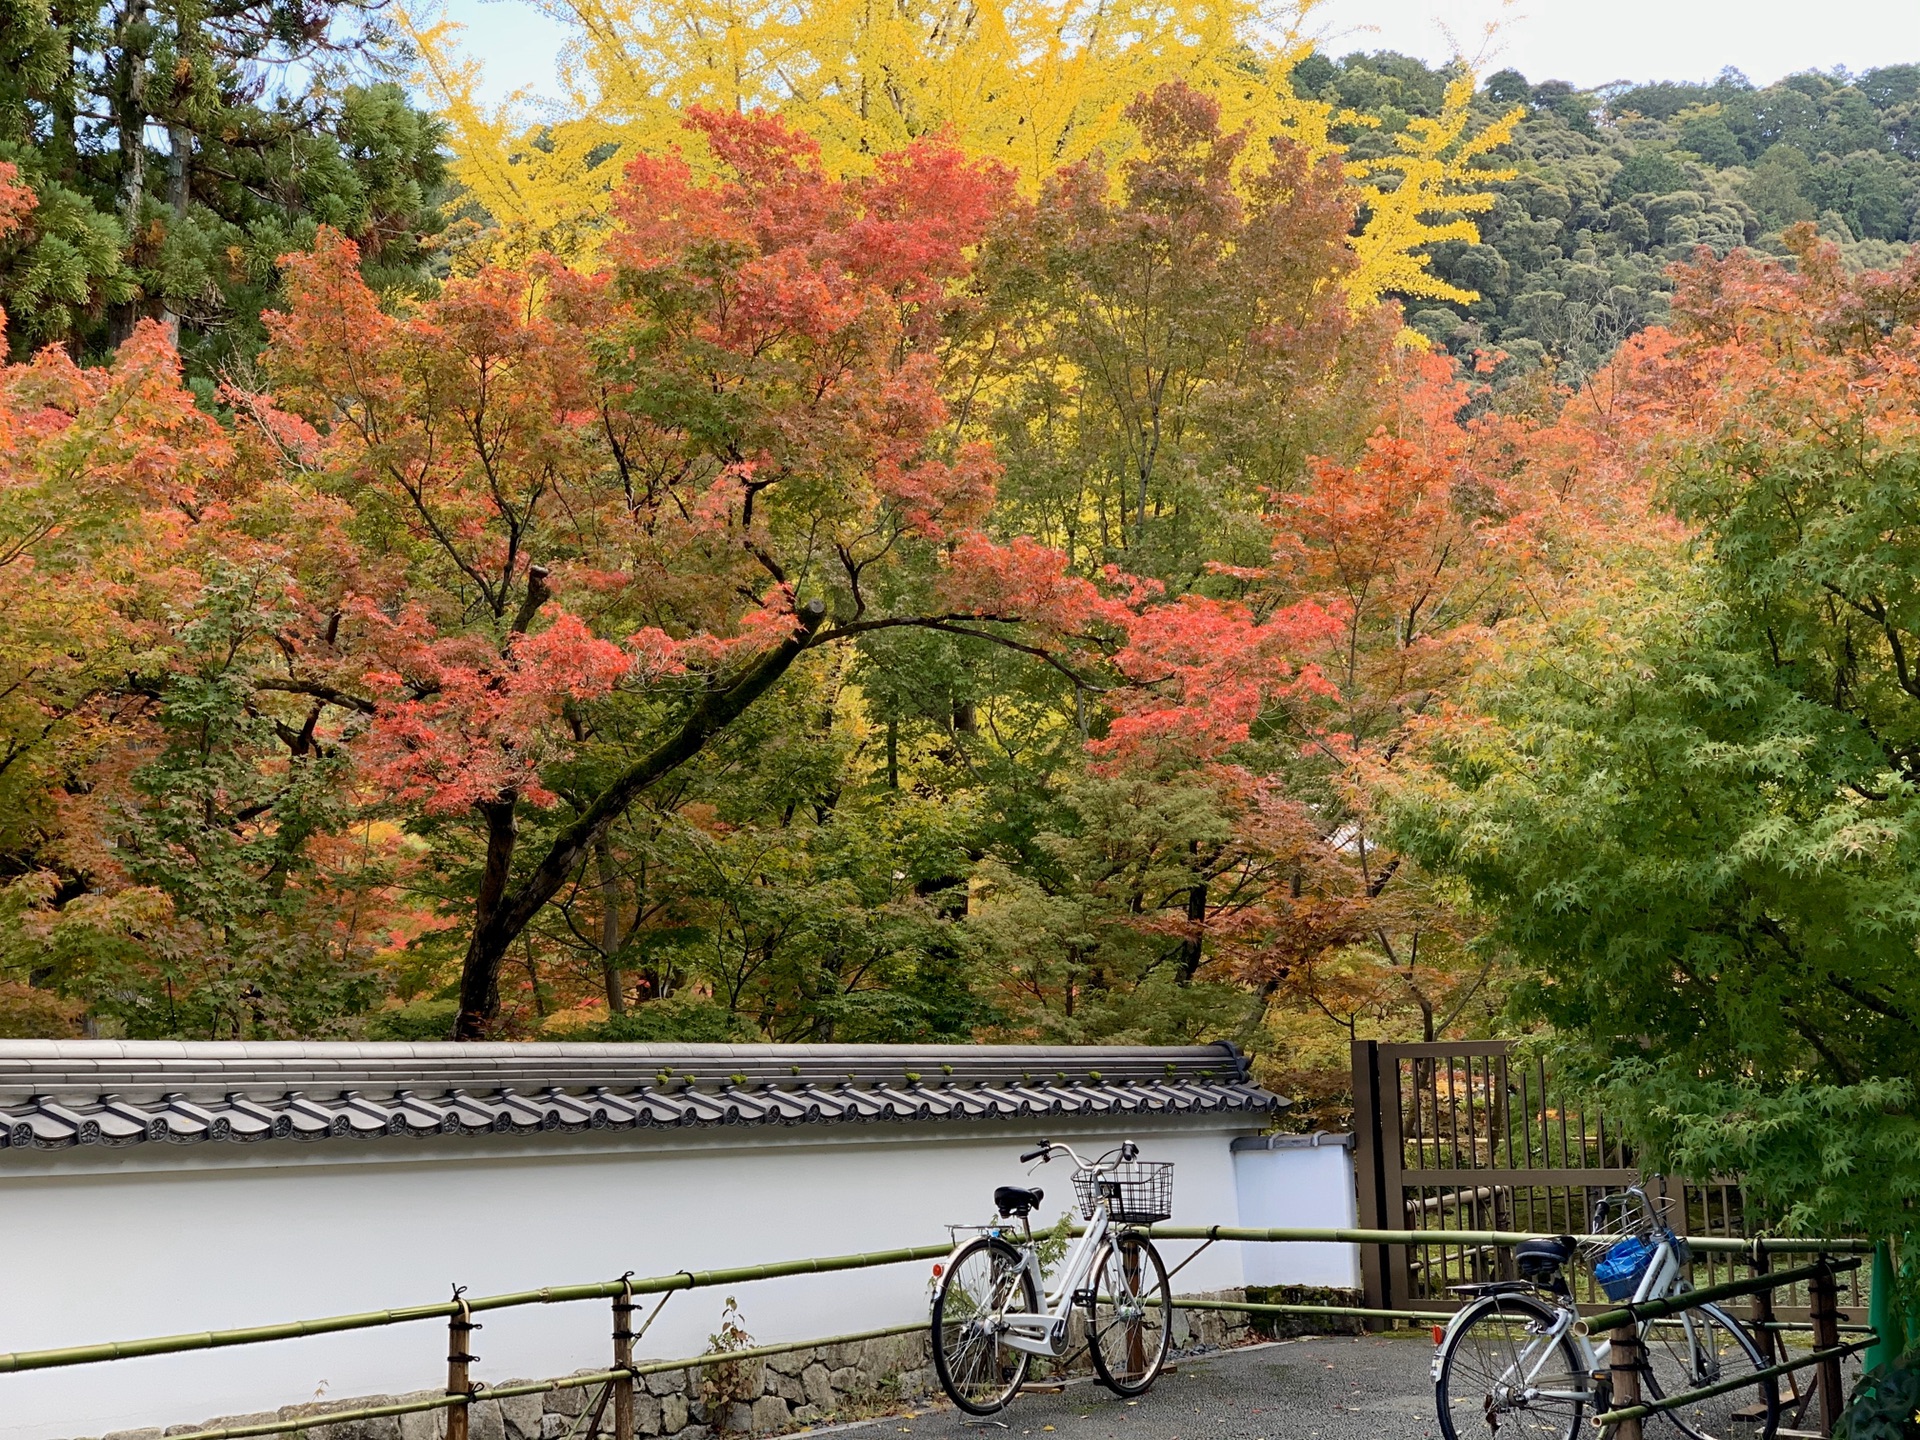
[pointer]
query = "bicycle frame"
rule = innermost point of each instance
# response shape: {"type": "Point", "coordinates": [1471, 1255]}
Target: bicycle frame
{"type": "Point", "coordinates": [1661, 1278]}
{"type": "Point", "coordinates": [1045, 1333]}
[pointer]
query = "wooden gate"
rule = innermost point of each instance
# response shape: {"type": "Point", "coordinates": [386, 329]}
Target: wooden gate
{"type": "Point", "coordinates": [1467, 1135]}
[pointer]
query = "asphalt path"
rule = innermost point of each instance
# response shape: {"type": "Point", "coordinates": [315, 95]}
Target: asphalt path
{"type": "Point", "coordinates": [1322, 1388]}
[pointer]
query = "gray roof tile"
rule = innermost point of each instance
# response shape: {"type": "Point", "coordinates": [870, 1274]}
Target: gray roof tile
{"type": "Point", "coordinates": [57, 1093]}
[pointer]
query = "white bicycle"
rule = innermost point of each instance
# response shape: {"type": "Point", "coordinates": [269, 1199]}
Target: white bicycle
{"type": "Point", "coordinates": [993, 1312]}
{"type": "Point", "coordinates": [1511, 1363]}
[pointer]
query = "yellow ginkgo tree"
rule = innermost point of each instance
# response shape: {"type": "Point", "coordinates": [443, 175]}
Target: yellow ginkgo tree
{"type": "Point", "coordinates": [1034, 84]}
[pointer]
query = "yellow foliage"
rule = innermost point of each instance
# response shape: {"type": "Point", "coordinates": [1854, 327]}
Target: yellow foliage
{"type": "Point", "coordinates": [1036, 85]}
{"type": "Point", "coordinates": [1440, 167]}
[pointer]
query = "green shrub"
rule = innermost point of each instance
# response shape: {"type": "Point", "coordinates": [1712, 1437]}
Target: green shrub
{"type": "Point", "coordinates": [1885, 1404]}
{"type": "Point", "coordinates": [422, 1020]}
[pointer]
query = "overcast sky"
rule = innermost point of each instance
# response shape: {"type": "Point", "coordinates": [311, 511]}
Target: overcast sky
{"type": "Point", "coordinates": [1588, 42]}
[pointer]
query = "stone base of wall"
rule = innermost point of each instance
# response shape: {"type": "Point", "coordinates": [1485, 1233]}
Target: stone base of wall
{"type": "Point", "coordinates": [1282, 1327]}
{"type": "Point", "coordinates": [771, 1395]}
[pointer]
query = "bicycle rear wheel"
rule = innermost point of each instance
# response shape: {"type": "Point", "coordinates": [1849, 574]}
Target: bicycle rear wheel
{"type": "Point", "coordinates": [1699, 1348]}
{"type": "Point", "coordinates": [1501, 1373]}
{"type": "Point", "coordinates": [985, 1280]}
{"type": "Point", "coordinates": [1131, 1326]}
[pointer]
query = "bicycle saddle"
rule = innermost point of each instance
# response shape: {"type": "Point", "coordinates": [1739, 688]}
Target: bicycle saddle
{"type": "Point", "coordinates": [1544, 1253]}
{"type": "Point", "coordinates": [1538, 1261]}
{"type": "Point", "coordinates": [1012, 1200]}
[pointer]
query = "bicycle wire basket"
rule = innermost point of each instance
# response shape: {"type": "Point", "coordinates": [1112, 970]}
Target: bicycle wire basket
{"type": "Point", "coordinates": [1623, 1243]}
{"type": "Point", "coordinates": [1620, 1215]}
{"type": "Point", "coordinates": [1136, 1192]}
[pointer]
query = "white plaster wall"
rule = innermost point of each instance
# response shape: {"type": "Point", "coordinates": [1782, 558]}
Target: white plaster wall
{"type": "Point", "coordinates": [1301, 1185]}
{"type": "Point", "coordinates": [150, 1240]}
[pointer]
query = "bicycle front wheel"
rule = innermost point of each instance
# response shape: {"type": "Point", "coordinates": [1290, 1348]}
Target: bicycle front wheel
{"type": "Point", "coordinates": [1697, 1349]}
{"type": "Point", "coordinates": [1131, 1326]}
{"type": "Point", "coordinates": [1504, 1373]}
{"type": "Point", "coordinates": [986, 1281]}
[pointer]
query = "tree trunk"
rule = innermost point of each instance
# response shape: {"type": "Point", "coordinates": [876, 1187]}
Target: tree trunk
{"type": "Point", "coordinates": [610, 928]}
{"type": "Point", "coordinates": [63, 146]}
{"type": "Point", "coordinates": [130, 122]}
{"type": "Point", "coordinates": [179, 190]}
{"type": "Point", "coordinates": [1191, 947]}
{"type": "Point", "coordinates": [497, 925]}
{"type": "Point", "coordinates": [480, 982]}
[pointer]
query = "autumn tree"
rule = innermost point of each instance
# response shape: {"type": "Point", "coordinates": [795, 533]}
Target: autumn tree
{"type": "Point", "coordinates": [605, 513]}
{"type": "Point", "coordinates": [1179, 382]}
{"type": "Point", "coordinates": [1165, 345]}
{"type": "Point", "coordinates": [1688, 806]}
{"type": "Point", "coordinates": [172, 845]}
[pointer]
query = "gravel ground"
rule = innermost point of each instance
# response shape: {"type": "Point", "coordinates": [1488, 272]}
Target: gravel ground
{"type": "Point", "coordinates": [1324, 1388]}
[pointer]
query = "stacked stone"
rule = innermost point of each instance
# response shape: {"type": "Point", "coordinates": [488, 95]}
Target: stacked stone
{"type": "Point", "coordinates": [784, 1392]}
{"type": "Point", "coordinates": [763, 1396]}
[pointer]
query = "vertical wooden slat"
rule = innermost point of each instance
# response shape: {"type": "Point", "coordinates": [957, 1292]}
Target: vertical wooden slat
{"type": "Point", "coordinates": [1453, 1111]}
{"type": "Point", "coordinates": [1506, 1108]}
{"type": "Point", "coordinates": [1548, 1156]}
{"type": "Point", "coordinates": [1526, 1121]}
{"type": "Point", "coordinates": [1397, 1268]}
{"type": "Point", "coordinates": [1474, 1127]}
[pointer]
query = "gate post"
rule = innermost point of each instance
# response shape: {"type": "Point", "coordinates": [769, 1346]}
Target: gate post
{"type": "Point", "coordinates": [1369, 1171]}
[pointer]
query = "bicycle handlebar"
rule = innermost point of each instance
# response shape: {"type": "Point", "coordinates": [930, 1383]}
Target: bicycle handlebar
{"type": "Point", "coordinates": [1047, 1148]}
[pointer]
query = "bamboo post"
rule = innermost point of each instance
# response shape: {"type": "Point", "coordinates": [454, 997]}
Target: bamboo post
{"type": "Point", "coordinates": [623, 1360]}
{"type": "Point", "coordinates": [1624, 1357]}
{"type": "Point", "coordinates": [1773, 1343]}
{"type": "Point", "coordinates": [1825, 1296]}
{"type": "Point", "coordinates": [459, 1337]}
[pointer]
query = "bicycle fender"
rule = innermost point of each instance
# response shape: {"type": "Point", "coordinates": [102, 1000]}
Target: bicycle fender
{"type": "Point", "coordinates": [1461, 1317]}
{"type": "Point", "coordinates": [1440, 1350]}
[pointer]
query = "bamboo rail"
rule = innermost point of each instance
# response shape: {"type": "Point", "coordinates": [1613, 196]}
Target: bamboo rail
{"type": "Point", "coordinates": [534, 1387]}
{"type": "Point", "coordinates": [1261, 1308]}
{"type": "Point", "coordinates": [1717, 1244]}
{"type": "Point", "coordinates": [20, 1360]}
{"type": "Point", "coordinates": [550, 1295]}
{"type": "Point", "coordinates": [1724, 1387]}
{"type": "Point", "coordinates": [1689, 1299]}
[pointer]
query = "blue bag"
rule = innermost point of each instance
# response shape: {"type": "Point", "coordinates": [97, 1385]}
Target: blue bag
{"type": "Point", "coordinates": [1620, 1269]}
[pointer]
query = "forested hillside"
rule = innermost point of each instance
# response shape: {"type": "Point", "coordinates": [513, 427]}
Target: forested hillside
{"type": "Point", "coordinates": [1615, 185]}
